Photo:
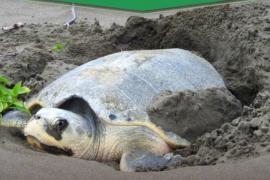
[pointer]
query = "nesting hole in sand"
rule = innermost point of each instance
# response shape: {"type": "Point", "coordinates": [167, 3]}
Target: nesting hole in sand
{"type": "Point", "coordinates": [201, 33]}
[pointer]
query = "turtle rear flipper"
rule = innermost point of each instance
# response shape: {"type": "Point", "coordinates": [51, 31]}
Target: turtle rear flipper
{"type": "Point", "coordinates": [141, 161]}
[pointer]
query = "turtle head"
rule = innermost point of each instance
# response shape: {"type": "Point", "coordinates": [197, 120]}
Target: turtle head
{"type": "Point", "coordinates": [59, 131]}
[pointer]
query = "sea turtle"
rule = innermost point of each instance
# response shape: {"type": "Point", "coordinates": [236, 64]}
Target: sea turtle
{"type": "Point", "coordinates": [98, 110]}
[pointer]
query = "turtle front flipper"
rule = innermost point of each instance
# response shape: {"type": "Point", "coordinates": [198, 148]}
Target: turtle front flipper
{"type": "Point", "coordinates": [142, 161]}
{"type": "Point", "coordinates": [15, 120]}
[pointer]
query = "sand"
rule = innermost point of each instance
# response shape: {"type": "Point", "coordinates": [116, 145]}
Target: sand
{"type": "Point", "coordinates": [20, 162]}
{"type": "Point", "coordinates": [235, 39]}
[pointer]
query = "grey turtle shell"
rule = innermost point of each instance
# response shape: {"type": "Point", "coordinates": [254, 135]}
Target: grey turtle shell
{"type": "Point", "coordinates": [120, 86]}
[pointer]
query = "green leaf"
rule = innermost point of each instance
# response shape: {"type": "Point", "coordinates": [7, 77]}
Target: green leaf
{"type": "Point", "coordinates": [18, 104]}
{"type": "Point", "coordinates": [9, 97]}
{"type": "Point", "coordinates": [24, 90]}
{"type": "Point", "coordinates": [4, 80]}
{"type": "Point", "coordinates": [23, 109]}
{"type": "Point", "coordinates": [4, 90]}
{"type": "Point", "coordinates": [6, 98]}
{"type": "Point", "coordinates": [1, 107]}
{"type": "Point", "coordinates": [18, 89]}
{"type": "Point", "coordinates": [5, 105]}
{"type": "Point", "coordinates": [57, 47]}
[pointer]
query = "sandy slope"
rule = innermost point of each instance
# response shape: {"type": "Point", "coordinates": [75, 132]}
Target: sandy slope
{"type": "Point", "coordinates": [37, 166]}
{"type": "Point", "coordinates": [19, 162]}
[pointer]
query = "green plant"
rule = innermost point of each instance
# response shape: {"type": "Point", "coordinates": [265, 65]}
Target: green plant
{"type": "Point", "coordinates": [57, 47]}
{"type": "Point", "coordinates": [9, 96]}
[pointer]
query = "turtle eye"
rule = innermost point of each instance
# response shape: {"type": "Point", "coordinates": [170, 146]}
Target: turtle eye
{"type": "Point", "coordinates": [61, 124]}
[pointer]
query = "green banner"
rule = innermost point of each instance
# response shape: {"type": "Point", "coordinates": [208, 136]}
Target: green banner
{"type": "Point", "coordinates": [142, 5]}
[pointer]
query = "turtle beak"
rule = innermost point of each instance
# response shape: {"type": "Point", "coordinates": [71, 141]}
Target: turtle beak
{"type": "Point", "coordinates": [36, 144]}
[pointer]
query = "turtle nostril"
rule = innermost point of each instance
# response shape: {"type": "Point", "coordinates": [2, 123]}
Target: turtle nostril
{"type": "Point", "coordinates": [37, 117]}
